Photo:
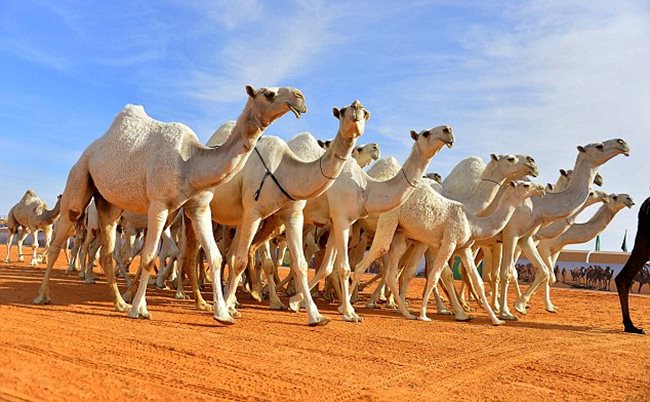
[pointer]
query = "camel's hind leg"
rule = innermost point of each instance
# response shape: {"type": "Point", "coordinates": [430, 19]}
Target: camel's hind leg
{"type": "Point", "coordinates": [477, 283]}
{"type": "Point", "coordinates": [76, 196]}
{"type": "Point", "coordinates": [34, 261]}
{"type": "Point", "coordinates": [22, 235]}
{"type": "Point", "coordinates": [10, 239]}
{"type": "Point", "coordinates": [542, 275]}
{"type": "Point", "coordinates": [638, 257]}
{"type": "Point", "coordinates": [108, 217]}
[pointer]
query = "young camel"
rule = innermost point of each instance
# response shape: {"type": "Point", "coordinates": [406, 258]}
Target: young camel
{"type": "Point", "coordinates": [154, 168]}
{"type": "Point", "coordinates": [446, 226]}
{"type": "Point", "coordinates": [356, 195]}
{"type": "Point", "coordinates": [537, 212]}
{"type": "Point", "coordinates": [30, 214]}
{"type": "Point", "coordinates": [249, 198]}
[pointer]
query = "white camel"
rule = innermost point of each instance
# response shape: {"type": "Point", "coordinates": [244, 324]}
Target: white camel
{"type": "Point", "coordinates": [155, 168]}
{"type": "Point", "coordinates": [30, 215]}
{"type": "Point", "coordinates": [537, 212]}
{"type": "Point", "coordinates": [276, 181]}
{"type": "Point", "coordinates": [356, 195]}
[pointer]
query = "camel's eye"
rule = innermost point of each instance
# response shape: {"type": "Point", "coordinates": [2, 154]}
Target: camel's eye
{"type": "Point", "coordinates": [270, 95]}
{"type": "Point", "coordinates": [511, 159]}
{"type": "Point", "coordinates": [600, 147]}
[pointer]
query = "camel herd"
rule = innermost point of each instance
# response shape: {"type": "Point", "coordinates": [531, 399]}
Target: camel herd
{"type": "Point", "coordinates": [151, 189]}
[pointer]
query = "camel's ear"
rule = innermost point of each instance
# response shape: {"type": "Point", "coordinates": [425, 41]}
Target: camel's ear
{"type": "Point", "coordinates": [358, 149]}
{"type": "Point", "coordinates": [581, 148]}
{"type": "Point", "coordinates": [336, 112]}
{"type": "Point", "coordinates": [250, 91]}
{"type": "Point", "coordinates": [367, 114]}
{"type": "Point", "coordinates": [320, 143]}
{"type": "Point", "coordinates": [615, 197]}
{"type": "Point", "coordinates": [549, 187]}
{"type": "Point", "coordinates": [564, 172]}
{"type": "Point", "coordinates": [512, 184]}
{"type": "Point", "coordinates": [494, 157]}
{"type": "Point", "coordinates": [414, 135]}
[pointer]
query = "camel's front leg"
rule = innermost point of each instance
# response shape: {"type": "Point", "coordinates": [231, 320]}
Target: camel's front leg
{"type": "Point", "coordinates": [341, 232]}
{"type": "Point", "coordinates": [397, 249]}
{"type": "Point", "coordinates": [505, 275]}
{"type": "Point", "coordinates": [22, 235]}
{"type": "Point", "coordinates": [293, 229]}
{"type": "Point", "coordinates": [10, 240]}
{"type": "Point", "coordinates": [325, 269]}
{"type": "Point", "coordinates": [477, 283]}
{"type": "Point", "coordinates": [108, 217]}
{"type": "Point", "coordinates": [541, 276]}
{"type": "Point", "coordinates": [239, 260]}
{"type": "Point", "coordinates": [34, 261]}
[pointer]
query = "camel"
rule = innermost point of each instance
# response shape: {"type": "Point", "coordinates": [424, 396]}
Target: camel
{"type": "Point", "coordinates": [356, 195]}
{"type": "Point", "coordinates": [155, 168]}
{"type": "Point", "coordinates": [539, 211]}
{"type": "Point", "coordinates": [363, 154]}
{"type": "Point", "coordinates": [249, 198]}
{"type": "Point", "coordinates": [549, 249]}
{"type": "Point", "coordinates": [638, 258]}
{"type": "Point", "coordinates": [31, 215]}
{"type": "Point", "coordinates": [491, 176]}
{"type": "Point", "coordinates": [446, 226]}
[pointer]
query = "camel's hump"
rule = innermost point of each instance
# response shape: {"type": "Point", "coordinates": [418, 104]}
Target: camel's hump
{"type": "Point", "coordinates": [384, 168]}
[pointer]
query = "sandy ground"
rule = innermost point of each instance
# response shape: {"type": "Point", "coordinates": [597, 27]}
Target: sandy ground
{"type": "Point", "coordinates": [79, 349]}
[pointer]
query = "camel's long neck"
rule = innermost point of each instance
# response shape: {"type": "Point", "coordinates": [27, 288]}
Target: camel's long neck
{"type": "Point", "coordinates": [209, 167]}
{"type": "Point", "coordinates": [310, 179]}
{"type": "Point", "coordinates": [485, 227]}
{"type": "Point", "coordinates": [50, 215]}
{"type": "Point", "coordinates": [562, 204]}
{"type": "Point", "coordinates": [484, 193]}
{"type": "Point", "coordinates": [583, 232]}
{"type": "Point", "coordinates": [562, 225]}
{"type": "Point", "coordinates": [364, 160]}
{"type": "Point", "coordinates": [386, 195]}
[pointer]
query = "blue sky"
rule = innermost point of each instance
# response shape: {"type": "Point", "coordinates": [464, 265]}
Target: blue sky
{"type": "Point", "coordinates": [535, 77]}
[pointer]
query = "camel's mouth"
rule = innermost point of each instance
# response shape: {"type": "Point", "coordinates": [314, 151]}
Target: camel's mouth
{"type": "Point", "coordinates": [532, 171]}
{"type": "Point", "coordinates": [295, 111]}
{"type": "Point", "coordinates": [626, 153]}
{"type": "Point", "coordinates": [449, 143]}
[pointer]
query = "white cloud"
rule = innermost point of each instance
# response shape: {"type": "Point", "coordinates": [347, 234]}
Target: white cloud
{"type": "Point", "coordinates": [540, 79]}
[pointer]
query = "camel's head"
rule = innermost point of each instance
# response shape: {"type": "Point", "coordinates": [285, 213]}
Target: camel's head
{"type": "Point", "coordinates": [269, 104]}
{"type": "Point", "coordinates": [370, 151]}
{"type": "Point", "coordinates": [526, 189]}
{"type": "Point", "coordinates": [514, 167]}
{"type": "Point", "coordinates": [600, 152]}
{"type": "Point", "coordinates": [597, 196]}
{"type": "Point", "coordinates": [430, 141]}
{"type": "Point", "coordinates": [620, 201]}
{"type": "Point", "coordinates": [324, 144]}
{"type": "Point", "coordinates": [435, 177]}
{"type": "Point", "coordinates": [352, 120]}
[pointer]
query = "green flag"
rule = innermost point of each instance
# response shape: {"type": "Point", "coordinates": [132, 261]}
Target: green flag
{"type": "Point", "coordinates": [597, 243]}
{"type": "Point", "coordinates": [624, 245]}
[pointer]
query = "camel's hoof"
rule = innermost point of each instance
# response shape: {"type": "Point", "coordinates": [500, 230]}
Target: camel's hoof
{"type": "Point", "coordinates": [352, 317]}
{"type": "Point", "coordinates": [631, 329]}
{"type": "Point", "coordinates": [21, 259]}
{"type": "Point", "coordinates": [225, 319]}
{"type": "Point", "coordinates": [34, 263]}
{"type": "Point", "coordinates": [520, 306]}
{"type": "Point", "coordinates": [423, 317]}
{"type": "Point", "coordinates": [163, 287]}
{"type": "Point", "coordinates": [444, 311]}
{"type": "Point", "coordinates": [498, 322]}
{"type": "Point", "coordinates": [256, 295]}
{"type": "Point", "coordinates": [508, 317]}
{"type": "Point", "coordinates": [463, 318]}
{"type": "Point", "coordinates": [204, 306]}
{"type": "Point", "coordinates": [552, 309]}
{"type": "Point", "coordinates": [181, 296]}
{"type": "Point", "coordinates": [139, 313]}
{"type": "Point", "coordinates": [321, 321]}
{"type": "Point", "coordinates": [7, 260]}
{"type": "Point", "coordinates": [122, 307]}
{"type": "Point", "coordinates": [391, 305]}
{"type": "Point", "coordinates": [43, 300]}
{"type": "Point", "coordinates": [294, 304]}
{"type": "Point", "coordinates": [410, 316]}
{"type": "Point", "coordinates": [372, 305]}
{"type": "Point", "coordinates": [235, 314]}
{"type": "Point", "coordinates": [278, 306]}
{"type": "Point", "coordinates": [90, 281]}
